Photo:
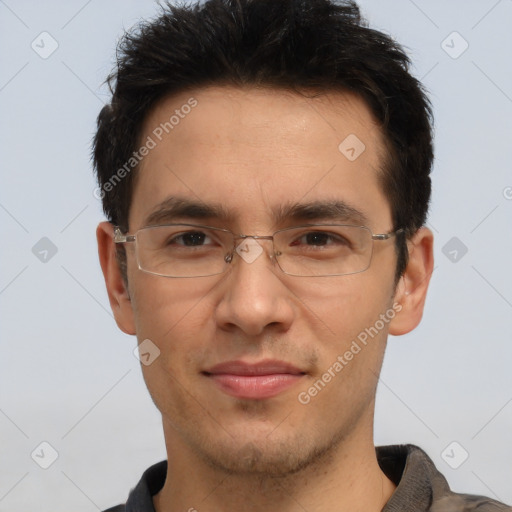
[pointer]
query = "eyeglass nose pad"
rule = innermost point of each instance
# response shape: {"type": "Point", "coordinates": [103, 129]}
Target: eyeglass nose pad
{"type": "Point", "coordinates": [228, 258]}
{"type": "Point", "coordinates": [274, 255]}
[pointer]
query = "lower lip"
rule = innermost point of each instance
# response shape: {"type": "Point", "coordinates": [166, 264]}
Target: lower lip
{"type": "Point", "coordinates": [254, 386]}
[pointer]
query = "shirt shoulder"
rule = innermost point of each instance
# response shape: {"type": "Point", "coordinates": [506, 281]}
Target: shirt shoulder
{"type": "Point", "coordinates": [140, 497]}
{"type": "Point", "coordinates": [422, 488]}
{"type": "Point", "coordinates": [468, 503]}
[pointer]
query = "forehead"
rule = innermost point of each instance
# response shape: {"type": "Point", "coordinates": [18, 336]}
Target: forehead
{"type": "Point", "coordinates": [255, 149]}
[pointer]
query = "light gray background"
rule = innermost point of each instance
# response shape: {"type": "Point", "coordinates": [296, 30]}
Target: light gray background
{"type": "Point", "coordinates": [68, 375]}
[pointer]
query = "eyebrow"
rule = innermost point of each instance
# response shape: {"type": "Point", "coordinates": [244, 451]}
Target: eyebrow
{"type": "Point", "coordinates": [174, 208]}
{"type": "Point", "coordinates": [329, 210]}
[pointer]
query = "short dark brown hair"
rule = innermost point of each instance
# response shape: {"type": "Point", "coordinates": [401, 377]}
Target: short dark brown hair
{"type": "Point", "coordinates": [319, 45]}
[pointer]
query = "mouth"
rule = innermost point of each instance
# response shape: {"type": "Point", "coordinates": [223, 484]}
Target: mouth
{"type": "Point", "coordinates": [255, 381]}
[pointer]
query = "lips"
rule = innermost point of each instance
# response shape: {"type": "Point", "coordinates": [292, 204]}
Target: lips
{"type": "Point", "coordinates": [264, 379]}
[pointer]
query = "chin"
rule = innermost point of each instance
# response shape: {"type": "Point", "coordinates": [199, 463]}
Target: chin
{"type": "Point", "coordinates": [264, 458]}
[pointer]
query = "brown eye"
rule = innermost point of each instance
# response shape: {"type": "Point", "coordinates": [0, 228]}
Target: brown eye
{"type": "Point", "coordinates": [193, 238]}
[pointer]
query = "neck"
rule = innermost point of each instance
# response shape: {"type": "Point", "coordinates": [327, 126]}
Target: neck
{"type": "Point", "coordinates": [348, 478]}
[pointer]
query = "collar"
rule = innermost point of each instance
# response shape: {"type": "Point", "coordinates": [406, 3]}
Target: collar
{"type": "Point", "coordinates": [419, 483]}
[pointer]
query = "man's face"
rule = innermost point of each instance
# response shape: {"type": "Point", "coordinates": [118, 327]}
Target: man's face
{"type": "Point", "coordinates": [253, 152]}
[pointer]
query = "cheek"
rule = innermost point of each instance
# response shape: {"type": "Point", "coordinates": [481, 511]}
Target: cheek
{"type": "Point", "coordinates": [352, 354]}
{"type": "Point", "coordinates": [170, 312]}
{"type": "Point", "coordinates": [175, 316]}
{"type": "Point", "coordinates": [348, 304]}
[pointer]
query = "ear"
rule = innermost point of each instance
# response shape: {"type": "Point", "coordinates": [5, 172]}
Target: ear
{"type": "Point", "coordinates": [411, 291]}
{"type": "Point", "coordinates": [117, 293]}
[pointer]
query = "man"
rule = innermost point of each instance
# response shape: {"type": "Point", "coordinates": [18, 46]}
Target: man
{"type": "Point", "coordinates": [264, 166]}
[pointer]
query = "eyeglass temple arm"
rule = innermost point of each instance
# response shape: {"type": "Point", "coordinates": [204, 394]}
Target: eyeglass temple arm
{"type": "Point", "coordinates": [386, 236]}
{"type": "Point", "coordinates": [119, 238]}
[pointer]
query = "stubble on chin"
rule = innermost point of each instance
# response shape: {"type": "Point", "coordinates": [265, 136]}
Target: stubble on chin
{"type": "Point", "coordinates": [266, 459]}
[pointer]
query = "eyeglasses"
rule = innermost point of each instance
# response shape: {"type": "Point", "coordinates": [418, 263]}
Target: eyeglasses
{"type": "Point", "coordinates": [189, 250]}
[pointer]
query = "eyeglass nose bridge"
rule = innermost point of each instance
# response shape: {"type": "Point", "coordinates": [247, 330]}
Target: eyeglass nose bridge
{"type": "Point", "coordinates": [229, 256]}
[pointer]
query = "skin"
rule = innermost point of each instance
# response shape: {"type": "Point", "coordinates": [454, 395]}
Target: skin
{"type": "Point", "coordinates": [254, 149]}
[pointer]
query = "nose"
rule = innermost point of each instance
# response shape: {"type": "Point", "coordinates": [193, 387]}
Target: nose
{"type": "Point", "coordinates": [254, 296]}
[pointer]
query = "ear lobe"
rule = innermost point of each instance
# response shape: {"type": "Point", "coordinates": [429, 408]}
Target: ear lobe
{"type": "Point", "coordinates": [411, 291]}
{"type": "Point", "coordinates": [118, 295]}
